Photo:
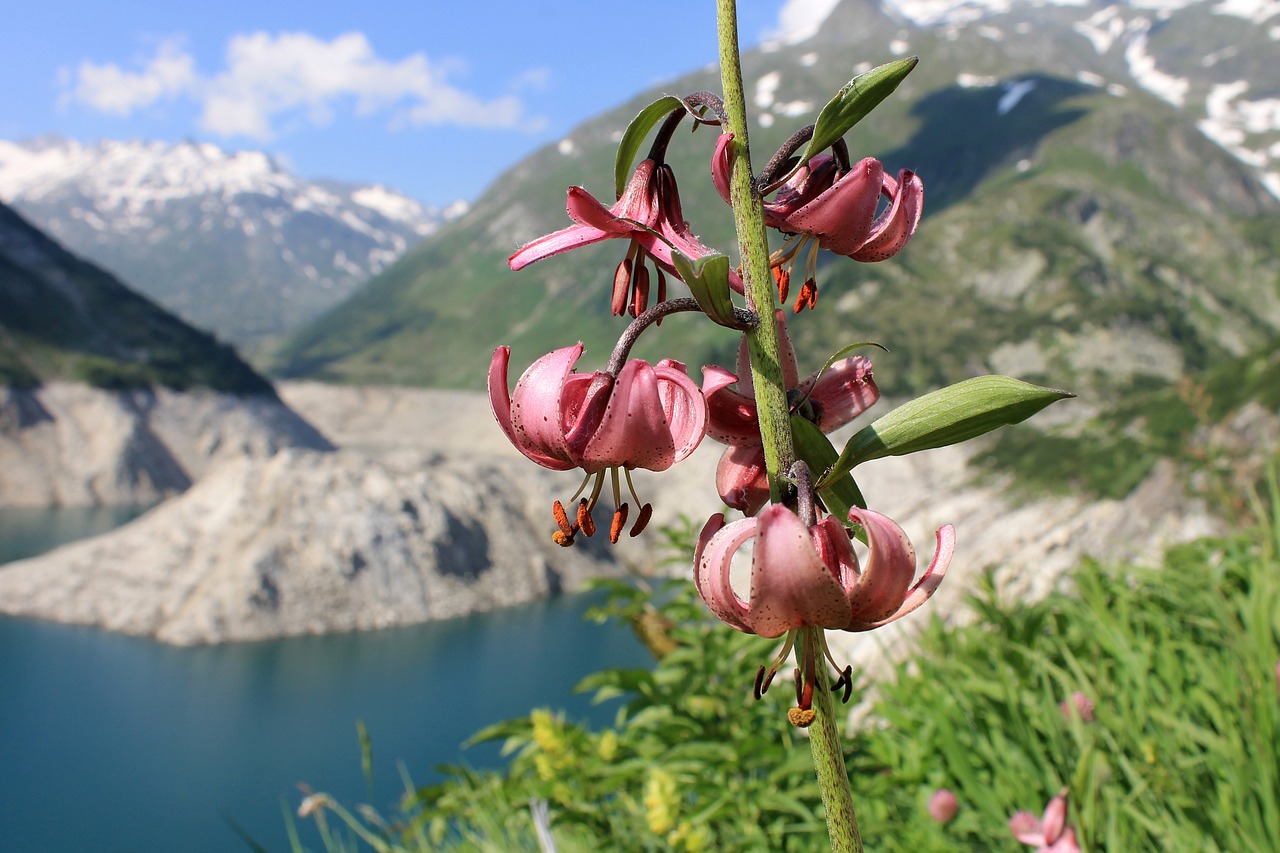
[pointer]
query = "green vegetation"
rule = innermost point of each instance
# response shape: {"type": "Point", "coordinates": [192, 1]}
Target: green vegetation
{"type": "Point", "coordinates": [1180, 663]}
{"type": "Point", "coordinates": [64, 318]}
{"type": "Point", "coordinates": [1108, 455]}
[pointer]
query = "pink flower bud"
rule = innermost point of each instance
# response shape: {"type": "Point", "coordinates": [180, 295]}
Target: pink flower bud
{"type": "Point", "coordinates": [1077, 703]}
{"type": "Point", "coordinates": [943, 805]}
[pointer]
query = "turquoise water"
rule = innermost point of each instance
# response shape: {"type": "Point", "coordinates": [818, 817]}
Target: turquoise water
{"type": "Point", "coordinates": [113, 743]}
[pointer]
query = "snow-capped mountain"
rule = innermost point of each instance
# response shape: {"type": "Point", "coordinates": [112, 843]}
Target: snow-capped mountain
{"type": "Point", "coordinates": [1216, 60]}
{"type": "Point", "coordinates": [1095, 218]}
{"type": "Point", "coordinates": [231, 241]}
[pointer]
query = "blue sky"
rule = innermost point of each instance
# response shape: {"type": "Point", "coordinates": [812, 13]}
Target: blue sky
{"type": "Point", "coordinates": [434, 98]}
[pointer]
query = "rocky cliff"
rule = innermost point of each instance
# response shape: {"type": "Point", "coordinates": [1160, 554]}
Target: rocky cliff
{"type": "Point", "coordinates": [427, 512]}
{"type": "Point", "coordinates": [69, 444]}
{"type": "Point", "coordinates": [308, 542]}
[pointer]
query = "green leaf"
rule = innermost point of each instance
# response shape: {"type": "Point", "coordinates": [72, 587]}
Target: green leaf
{"type": "Point", "coordinates": [811, 445]}
{"type": "Point", "coordinates": [634, 135]}
{"type": "Point", "coordinates": [851, 104]}
{"type": "Point", "coordinates": [948, 416]}
{"type": "Point", "coordinates": [708, 280]}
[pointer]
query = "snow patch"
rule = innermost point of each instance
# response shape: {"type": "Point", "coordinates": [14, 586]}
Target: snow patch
{"type": "Point", "coordinates": [1102, 28]}
{"type": "Point", "coordinates": [390, 204]}
{"type": "Point", "coordinates": [1090, 79]}
{"type": "Point", "coordinates": [567, 147]}
{"type": "Point", "coordinates": [766, 89]}
{"type": "Point", "coordinates": [1256, 11]}
{"type": "Point", "coordinates": [898, 47]}
{"type": "Point", "coordinates": [1231, 120]}
{"type": "Point", "coordinates": [965, 80]}
{"type": "Point", "coordinates": [1014, 92]}
{"type": "Point", "coordinates": [1143, 68]}
{"type": "Point", "coordinates": [808, 60]}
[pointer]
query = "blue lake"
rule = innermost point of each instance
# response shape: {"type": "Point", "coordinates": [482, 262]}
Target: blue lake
{"type": "Point", "coordinates": [111, 743]}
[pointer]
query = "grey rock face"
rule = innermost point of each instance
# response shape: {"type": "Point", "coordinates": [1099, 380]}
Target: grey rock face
{"type": "Point", "coordinates": [66, 444]}
{"type": "Point", "coordinates": [307, 542]}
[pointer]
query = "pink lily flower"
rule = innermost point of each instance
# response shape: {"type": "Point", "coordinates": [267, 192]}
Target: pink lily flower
{"type": "Point", "coordinates": [649, 416]}
{"type": "Point", "coordinates": [830, 400]}
{"type": "Point", "coordinates": [808, 576]}
{"type": "Point", "coordinates": [1049, 834]}
{"type": "Point", "coordinates": [1078, 704]}
{"type": "Point", "coordinates": [839, 209]}
{"type": "Point", "coordinates": [648, 214]}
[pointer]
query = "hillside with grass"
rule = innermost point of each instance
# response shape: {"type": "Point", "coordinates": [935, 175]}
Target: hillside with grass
{"type": "Point", "coordinates": [61, 317]}
{"type": "Point", "coordinates": [1077, 232]}
{"type": "Point", "coordinates": [1150, 694]}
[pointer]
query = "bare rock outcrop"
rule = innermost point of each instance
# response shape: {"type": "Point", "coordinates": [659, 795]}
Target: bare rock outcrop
{"type": "Point", "coordinates": [68, 444]}
{"type": "Point", "coordinates": [308, 542]}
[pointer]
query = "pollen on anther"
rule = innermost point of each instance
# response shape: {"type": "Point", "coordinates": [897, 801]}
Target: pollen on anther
{"type": "Point", "coordinates": [801, 718]}
{"type": "Point", "coordinates": [642, 520]}
{"type": "Point", "coordinates": [562, 519]}
{"type": "Point", "coordinates": [586, 523]}
{"type": "Point", "coordinates": [619, 521]}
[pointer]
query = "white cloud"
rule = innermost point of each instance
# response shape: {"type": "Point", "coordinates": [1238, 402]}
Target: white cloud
{"type": "Point", "coordinates": [110, 89]}
{"type": "Point", "coordinates": [800, 19]}
{"type": "Point", "coordinates": [268, 77]}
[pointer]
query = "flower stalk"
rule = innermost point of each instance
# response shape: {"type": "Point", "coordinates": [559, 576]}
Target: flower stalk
{"type": "Point", "coordinates": [753, 249]}
{"type": "Point", "coordinates": [771, 401]}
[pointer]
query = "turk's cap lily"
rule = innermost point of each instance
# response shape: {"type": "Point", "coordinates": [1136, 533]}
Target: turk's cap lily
{"type": "Point", "coordinates": [839, 209]}
{"type": "Point", "coordinates": [804, 576]}
{"type": "Point", "coordinates": [1050, 833]}
{"type": "Point", "coordinates": [649, 416]}
{"type": "Point", "coordinates": [830, 398]}
{"type": "Point", "coordinates": [648, 213]}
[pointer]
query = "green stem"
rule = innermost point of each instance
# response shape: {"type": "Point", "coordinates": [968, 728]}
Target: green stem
{"type": "Point", "coordinates": [828, 761]}
{"type": "Point", "coordinates": [771, 405]}
{"type": "Point", "coordinates": [753, 249]}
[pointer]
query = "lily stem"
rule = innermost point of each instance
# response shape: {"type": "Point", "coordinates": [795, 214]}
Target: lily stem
{"type": "Point", "coordinates": [771, 405]}
{"type": "Point", "coordinates": [828, 761]}
{"type": "Point", "coordinates": [753, 250]}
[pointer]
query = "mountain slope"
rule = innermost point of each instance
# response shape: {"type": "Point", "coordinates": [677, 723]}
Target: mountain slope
{"type": "Point", "coordinates": [64, 318]}
{"type": "Point", "coordinates": [231, 242]}
{"type": "Point", "coordinates": [1080, 227]}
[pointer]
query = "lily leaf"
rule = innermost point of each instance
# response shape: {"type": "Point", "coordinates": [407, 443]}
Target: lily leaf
{"type": "Point", "coordinates": [851, 104]}
{"type": "Point", "coordinates": [948, 416]}
{"type": "Point", "coordinates": [633, 137]}
{"type": "Point", "coordinates": [811, 445]}
{"type": "Point", "coordinates": [708, 280]}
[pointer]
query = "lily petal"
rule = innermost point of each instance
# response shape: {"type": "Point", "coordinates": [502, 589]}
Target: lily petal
{"type": "Point", "coordinates": [712, 559]}
{"type": "Point", "coordinates": [841, 216]}
{"type": "Point", "coordinates": [790, 587]}
{"type": "Point", "coordinates": [531, 416]}
{"type": "Point", "coordinates": [742, 481]}
{"type": "Point", "coordinates": [928, 583]}
{"type": "Point", "coordinates": [895, 226]}
{"type": "Point", "coordinates": [845, 390]}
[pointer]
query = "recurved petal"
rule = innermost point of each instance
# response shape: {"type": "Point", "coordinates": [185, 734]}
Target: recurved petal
{"type": "Point", "coordinates": [895, 225]}
{"type": "Point", "coordinates": [531, 416]}
{"type": "Point", "coordinates": [563, 240]}
{"type": "Point", "coordinates": [712, 559]}
{"type": "Point", "coordinates": [721, 165]}
{"type": "Point", "coordinates": [928, 583]}
{"type": "Point", "coordinates": [684, 405]}
{"type": "Point", "coordinates": [731, 416]}
{"type": "Point", "coordinates": [790, 586]}
{"type": "Point", "coordinates": [841, 216]}
{"type": "Point", "coordinates": [742, 480]}
{"type": "Point", "coordinates": [890, 566]}
{"type": "Point", "coordinates": [845, 390]}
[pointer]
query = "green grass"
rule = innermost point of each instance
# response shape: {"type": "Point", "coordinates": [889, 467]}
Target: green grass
{"type": "Point", "coordinates": [1184, 753]}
